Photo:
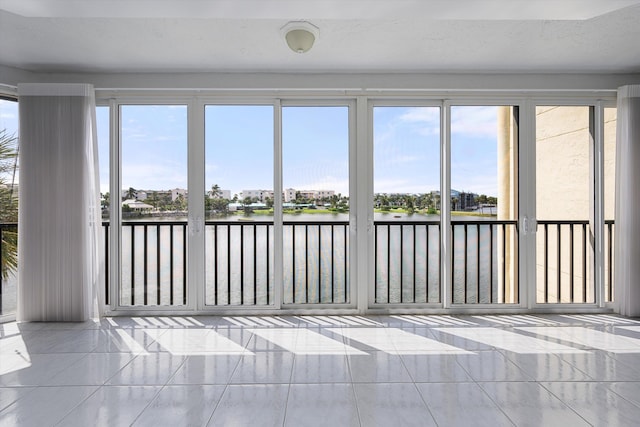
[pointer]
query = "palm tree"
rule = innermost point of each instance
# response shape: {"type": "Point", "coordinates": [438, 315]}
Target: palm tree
{"type": "Point", "coordinates": [410, 203]}
{"type": "Point", "coordinates": [8, 204]}
{"type": "Point", "coordinates": [215, 192]}
{"type": "Point", "coordinates": [131, 193]}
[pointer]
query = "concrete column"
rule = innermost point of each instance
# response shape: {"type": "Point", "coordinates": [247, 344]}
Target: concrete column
{"type": "Point", "coordinates": [507, 200]}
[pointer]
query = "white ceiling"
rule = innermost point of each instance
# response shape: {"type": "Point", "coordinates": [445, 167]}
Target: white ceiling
{"type": "Point", "coordinates": [355, 35]}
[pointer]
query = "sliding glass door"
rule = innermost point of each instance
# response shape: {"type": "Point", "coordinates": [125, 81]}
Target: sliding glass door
{"type": "Point", "coordinates": [239, 202]}
{"type": "Point", "coordinates": [565, 204]}
{"type": "Point", "coordinates": [484, 204]}
{"type": "Point", "coordinates": [153, 204]}
{"type": "Point", "coordinates": [406, 205]}
{"type": "Point", "coordinates": [315, 205]}
{"type": "Point", "coordinates": [226, 206]}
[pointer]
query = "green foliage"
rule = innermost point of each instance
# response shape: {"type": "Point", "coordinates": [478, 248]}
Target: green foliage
{"type": "Point", "coordinates": [8, 204]}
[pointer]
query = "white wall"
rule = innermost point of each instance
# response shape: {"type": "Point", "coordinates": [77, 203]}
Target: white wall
{"type": "Point", "coordinates": [330, 81]}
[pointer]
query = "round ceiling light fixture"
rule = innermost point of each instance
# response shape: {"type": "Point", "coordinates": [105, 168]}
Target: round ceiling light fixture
{"type": "Point", "coordinates": [300, 35]}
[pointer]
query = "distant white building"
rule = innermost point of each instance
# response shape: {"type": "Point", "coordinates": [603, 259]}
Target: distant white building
{"type": "Point", "coordinates": [137, 206]}
{"type": "Point", "coordinates": [324, 193]}
{"type": "Point", "coordinates": [316, 195]}
{"type": "Point", "coordinates": [289, 195]}
{"type": "Point", "coordinates": [178, 192]}
{"type": "Point", "coordinates": [261, 195]}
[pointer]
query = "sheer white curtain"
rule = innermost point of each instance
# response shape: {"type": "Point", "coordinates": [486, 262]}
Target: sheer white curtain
{"type": "Point", "coordinates": [627, 217]}
{"type": "Point", "coordinates": [59, 220]}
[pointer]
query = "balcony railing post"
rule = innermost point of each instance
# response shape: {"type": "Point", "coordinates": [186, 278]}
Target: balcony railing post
{"type": "Point", "coordinates": [401, 264]}
{"type": "Point", "coordinates": [133, 265]}
{"type": "Point", "coordinates": [184, 264]}
{"type": "Point", "coordinates": [105, 225]}
{"type": "Point", "coordinates": [228, 264]}
{"type": "Point", "coordinates": [171, 250]}
{"type": "Point", "coordinates": [145, 283]}
{"type": "Point", "coordinates": [491, 267]}
{"type": "Point", "coordinates": [332, 262]}
{"type": "Point", "coordinates": [478, 263]}
{"type": "Point", "coordinates": [255, 269]}
{"type": "Point", "coordinates": [571, 261]}
{"type": "Point", "coordinates": [320, 264]}
{"type": "Point", "coordinates": [158, 270]}
{"type": "Point", "coordinates": [414, 262]}
{"type": "Point", "coordinates": [584, 262]}
{"type": "Point", "coordinates": [559, 264]}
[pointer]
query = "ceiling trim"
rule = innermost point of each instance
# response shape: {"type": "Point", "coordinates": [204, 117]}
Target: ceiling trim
{"type": "Point", "coordinates": [319, 9]}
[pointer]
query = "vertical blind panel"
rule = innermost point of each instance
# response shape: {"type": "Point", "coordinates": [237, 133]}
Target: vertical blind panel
{"type": "Point", "coordinates": [627, 215]}
{"type": "Point", "coordinates": [59, 217]}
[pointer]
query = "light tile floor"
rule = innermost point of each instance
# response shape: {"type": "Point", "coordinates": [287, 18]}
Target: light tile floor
{"type": "Point", "coordinates": [493, 370]}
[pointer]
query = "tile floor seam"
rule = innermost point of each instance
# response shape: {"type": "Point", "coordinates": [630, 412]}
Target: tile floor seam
{"type": "Point", "coordinates": [58, 422]}
{"type": "Point", "coordinates": [119, 370]}
{"type": "Point", "coordinates": [155, 396]}
{"type": "Point", "coordinates": [497, 404]}
{"type": "Point", "coordinates": [355, 399]}
{"type": "Point", "coordinates": [286, 405]}
{"type": "Point", "coordinates": [612, 390]}
{"type": "Point", "coordinates": [565, 403]}
{"type": "Point", "coordinates": [215, 408]}
{"type": "Point", "coordinates": [10, 404]}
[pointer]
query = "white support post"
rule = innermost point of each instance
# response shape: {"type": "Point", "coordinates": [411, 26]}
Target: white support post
{"type": "Point", "coordinates": [362, 218]}
{"type": "Point", "coordinates": [445, 204]}
{"type": "Point", "coordinates": [196, 236]}
{"type": "Point", "coordinates": [278, 275]}
{"type": "Point", "coordinates": [115, 207]}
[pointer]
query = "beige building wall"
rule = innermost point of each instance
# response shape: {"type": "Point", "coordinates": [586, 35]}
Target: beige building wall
{"type": "Point", "coordinates": [507, 202]}
{"type": "Point", "coordinates": [564, 191]}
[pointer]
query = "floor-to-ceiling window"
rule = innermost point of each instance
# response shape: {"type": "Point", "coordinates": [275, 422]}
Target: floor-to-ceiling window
{"type": "Point", "coordinates": [564, 204]}
{"type": "Point", "coordinates": [8, 206]}
{"type": "Point", "coordinates": [316, 204]}
{"type": "Point", "coordinates": [609, 198]}
{"type": "Point", "coordinates": [239, 204]}
{"type": "Point", "coordinates": [103, 135]}
{"type": "Point", "coordinates": [406, 204]}
{"type": "Point", "coordinates": [153, 201]}
{"type": "Point", "coordinates": [484, 204]}
{"type": "Point", "coordinates": [277, 204]}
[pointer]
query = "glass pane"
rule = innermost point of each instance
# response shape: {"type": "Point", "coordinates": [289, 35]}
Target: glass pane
{"type": "Point", "coordinates": [563, 205]}
{"type": "Point", "coordinates": [610, 119]}
{"type": "Point", "coordinates": [406, 204]}
{"type": "Point", "coordinates": [154, 204]}
{"type": "Point", "coordinates": [8, 206]}
{"type": "Point", "coordinates": [315, 152]}
{"type": "Point", "coordinates": [484, 204]}
{"type": "Point", "coordinates": [239, 205]}
{"type": "Point", "coordinates": [102, 130]}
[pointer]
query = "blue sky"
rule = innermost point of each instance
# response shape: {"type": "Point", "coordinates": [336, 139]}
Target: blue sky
{"type": "Point", "coordinates": [407, 149]}
{"type": "Point", "coordinates": [9, 121]}
{"type": "Point", "coordinates": [239, 148]}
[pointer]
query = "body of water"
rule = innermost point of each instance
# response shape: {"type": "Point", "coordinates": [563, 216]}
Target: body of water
{"type": "Point", "coordinates": [315, 261]}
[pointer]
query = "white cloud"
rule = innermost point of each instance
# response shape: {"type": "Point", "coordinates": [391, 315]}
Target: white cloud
{"type": "Point", "coordinates": [474, 121]}
{"type": "Point", "coordinates": [428, 119]}
{"type": "Point", "coordinates": [428, 115]}
{"type": "Point", "coordinates": [154, 176]}
{"type": "Point", "coordinates": [8, 115]}
{"type": "Point", "coordinates": [324, 183]}
{"type": "Point", "coordinates": [404, 159]}
{"type": "Point", "coordinates": [403, 186]}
